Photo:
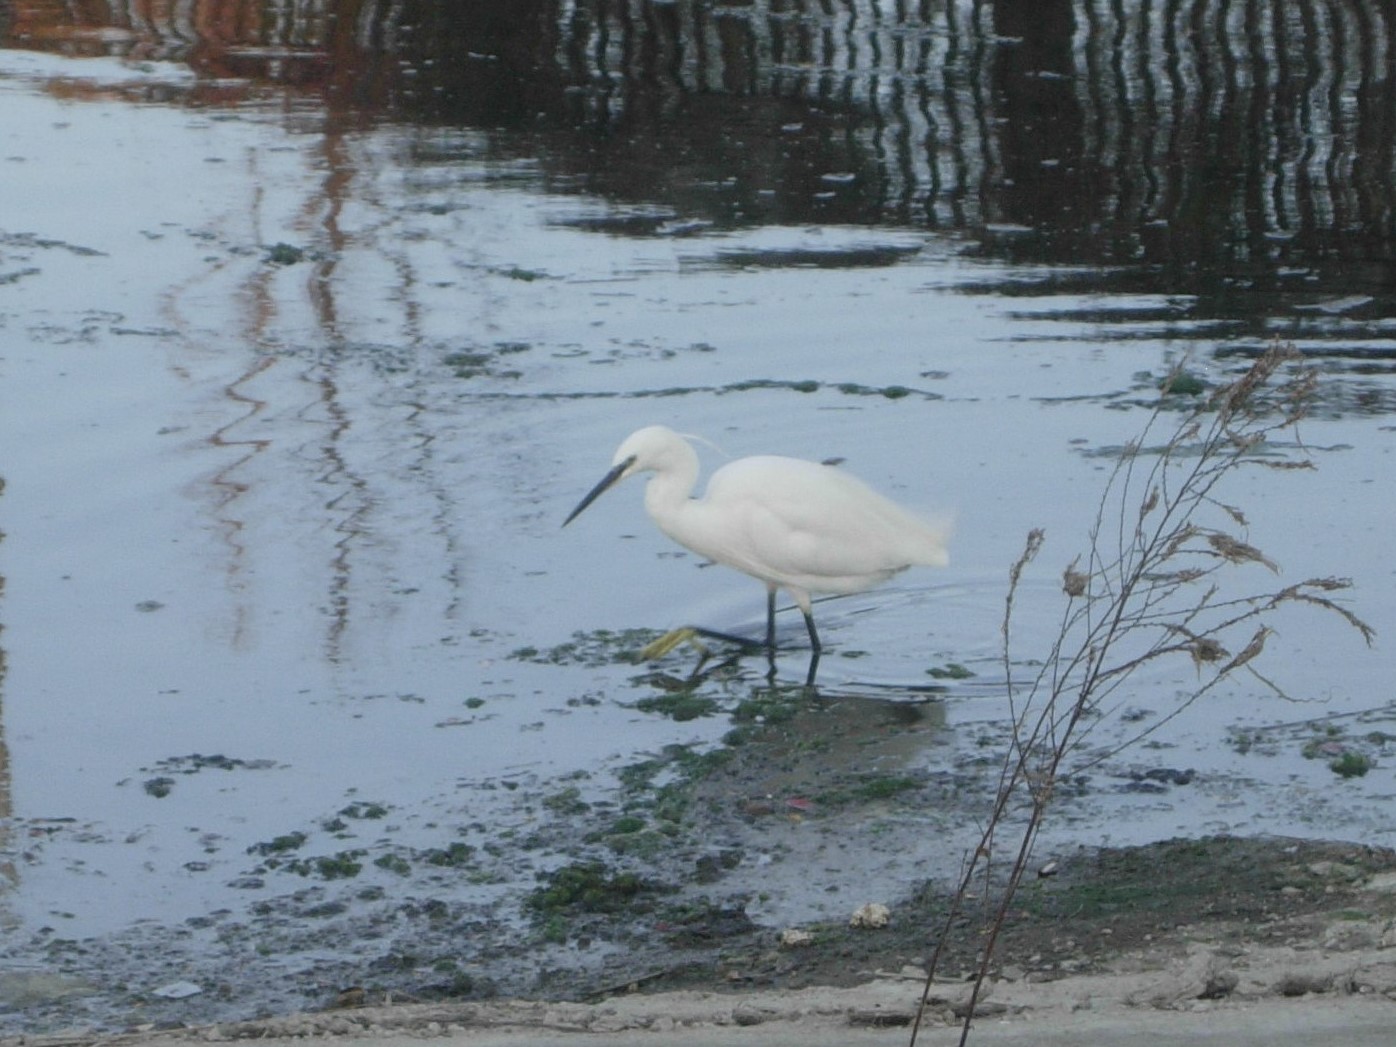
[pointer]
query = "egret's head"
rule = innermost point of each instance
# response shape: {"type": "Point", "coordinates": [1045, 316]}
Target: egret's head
{"type": "Point", "coordinates": [653, 448]}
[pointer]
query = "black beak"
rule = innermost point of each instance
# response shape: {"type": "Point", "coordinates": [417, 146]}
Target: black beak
{"type": "Point", "coordinates": [596, 492]}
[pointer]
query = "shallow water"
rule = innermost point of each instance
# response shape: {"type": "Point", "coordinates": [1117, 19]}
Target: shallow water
{"type": "Point", "coordinates": [299, 508]}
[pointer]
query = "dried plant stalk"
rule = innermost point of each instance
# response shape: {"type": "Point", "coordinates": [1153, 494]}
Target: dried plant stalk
{"type": "Point", "coordinates": [1149, 587]}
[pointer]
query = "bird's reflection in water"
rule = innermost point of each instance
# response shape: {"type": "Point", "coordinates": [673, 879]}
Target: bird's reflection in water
{"type": "Point", "coordinates": [719, 652]}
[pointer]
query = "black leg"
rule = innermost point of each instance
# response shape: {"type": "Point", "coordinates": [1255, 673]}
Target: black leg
{"type": "Point", "coordinates": [815, 648]}
{"type": "Point", "coordinates": [713, 634]}
{"type": "Point", "coordinates": [813, 635]}
{"type": "Point", "coordinates": [771, 619]}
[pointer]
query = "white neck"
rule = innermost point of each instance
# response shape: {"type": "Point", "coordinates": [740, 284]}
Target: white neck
{"type": "Point", "coordinates": [670, 487]}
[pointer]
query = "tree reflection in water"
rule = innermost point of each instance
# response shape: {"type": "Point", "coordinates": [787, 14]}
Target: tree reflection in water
{"type": "Point", "coordinates": [1206, 138]}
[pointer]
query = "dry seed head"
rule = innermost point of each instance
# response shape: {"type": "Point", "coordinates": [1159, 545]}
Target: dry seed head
{"type": "Point", "coordinates": [1236, 551]}
{"type": "Point", "coordinates": [1327, 584]}
{"type": "Point", "coordinates": [1030, 548]}
{"type": "Point", "coordinates": [1235, 514]}
{"type": "Point", "coordinates": [1178, 539]}
{"type": "Point", "coordinates": [1243, 442]}
{"type": "Point", "coordinates": [1250, 651]}
{"type": "Point", "coordinates": [1206, 649]}
{"type": "Point", "coordinates": [1150, 503]}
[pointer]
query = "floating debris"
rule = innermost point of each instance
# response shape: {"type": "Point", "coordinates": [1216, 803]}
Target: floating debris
{"type": "Point", "coordinates": [177, 991]}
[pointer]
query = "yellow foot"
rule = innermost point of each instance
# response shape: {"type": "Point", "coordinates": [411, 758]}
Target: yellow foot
{"type": "Point", "coordinates": [673, 638]}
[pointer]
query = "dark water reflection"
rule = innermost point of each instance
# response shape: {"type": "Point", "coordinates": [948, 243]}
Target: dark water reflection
{"type": "Point", "coordinates": [1191, 146]}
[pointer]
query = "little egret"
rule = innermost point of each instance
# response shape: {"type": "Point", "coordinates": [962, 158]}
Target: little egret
{"type": "Point", "coordinates": [795, 525]}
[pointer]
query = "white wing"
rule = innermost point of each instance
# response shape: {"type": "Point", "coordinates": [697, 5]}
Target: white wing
{"type": "Point", "coordinates": [790, 521]}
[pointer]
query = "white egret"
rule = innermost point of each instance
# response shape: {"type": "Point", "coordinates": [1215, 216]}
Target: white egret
{"type": "Point", "coordinates": [795, 525]}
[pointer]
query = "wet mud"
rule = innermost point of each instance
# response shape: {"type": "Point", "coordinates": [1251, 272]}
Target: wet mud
{"type": "Point", "coordinates": [734, 867]}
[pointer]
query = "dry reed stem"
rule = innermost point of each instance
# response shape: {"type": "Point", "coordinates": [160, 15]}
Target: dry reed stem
{"type": "Point", "coordinates": [1136, 596]}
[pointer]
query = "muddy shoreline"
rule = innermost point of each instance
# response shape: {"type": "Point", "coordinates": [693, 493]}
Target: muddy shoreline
{"type": "Point", "coordinates": [1179, 926]}
{"type": "Point", "coordinates": [1187, 913]}
{"type": "Point", "coordinates": [734, 868]}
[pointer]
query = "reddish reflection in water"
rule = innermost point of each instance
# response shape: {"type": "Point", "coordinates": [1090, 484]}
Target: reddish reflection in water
{"type": "Point", "coordinates": [1219, 146]}
{"type": "Point", "coordinates": [352, 55]}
